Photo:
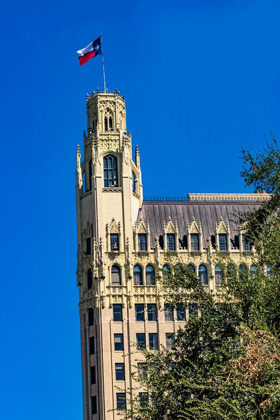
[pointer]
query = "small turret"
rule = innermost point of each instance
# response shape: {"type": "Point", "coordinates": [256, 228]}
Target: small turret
{"type": "Point", "coordinates": [137, 157]}
{"type": "Point", "coordinates": [79, 178]}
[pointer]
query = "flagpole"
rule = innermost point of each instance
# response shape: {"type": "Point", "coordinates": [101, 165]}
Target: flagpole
{"type": "Point", "coordinates": [103, 67]}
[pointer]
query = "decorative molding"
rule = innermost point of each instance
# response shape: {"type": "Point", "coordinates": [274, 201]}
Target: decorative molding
{"type": "Point", "coordinates": [112, 189]}
{"type": "Point", "coordinates": [228, 197]}
{"type": "Point", "coordinates": [222, 227]}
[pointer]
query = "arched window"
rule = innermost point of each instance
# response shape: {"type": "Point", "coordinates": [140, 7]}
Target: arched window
{"type": "Point", "coordinates": [89, 279]}
{"type": "Point", "coordinates": [253, 269]}
{"type": "Point", "coordinates": [111, 123]}
{"type": "Point", "coordinates": [137, 275]}
{"type": "Point", "coordinates": [219, 277]}
{"type": "Point", "coordinates": [191, 267]}
{"type": "Point", "coordinates": [165, 272]}
{"type": "Point", "coordinates": [116, 274]}
{"type": "Point", "coordinates": [242, 272]}
{"type": "Point", "coordinates": [150, 275]}
{"type": "Point", "coordinates": [202, 273]}
{"type": "Point", "coordinates": [106, 123]}
{"type": "Point", "coordinates": [110, 171]}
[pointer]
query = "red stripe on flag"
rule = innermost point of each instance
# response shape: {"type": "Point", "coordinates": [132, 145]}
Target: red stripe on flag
{"type": "Point", "coordinates": [84, 59]}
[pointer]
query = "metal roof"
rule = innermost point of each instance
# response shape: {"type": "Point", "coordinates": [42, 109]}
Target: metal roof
{"type": "Point", "coordinates": [208, 213]}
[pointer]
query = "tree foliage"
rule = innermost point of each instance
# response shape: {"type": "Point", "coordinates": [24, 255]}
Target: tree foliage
{"type": "Point", "coordinates": [225, 362]}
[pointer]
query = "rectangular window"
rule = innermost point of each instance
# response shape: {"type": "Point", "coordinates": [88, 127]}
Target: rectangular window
{"type": "Point", "coordinates": [110, 166]}
{"type": "Point", "coordinates": [193, 310]}
{"type": "Point", "coordinates": [93, 405]}
{"type": "Point", "coordinates": [181, 314]}
{"type": "Point", "coordinates": [170, 241]}
{"type": "Point", "coordinates": [88, 246]}
{"type": "Point", "coordinates": [152, 312]}
{"type": "Point", "coordinates": [118, 340]}
{"type": "Point", "coordinates": [168, 313]}
{"type": "Point", "coordinates": [142, 370]}
{"type": "Point", "coordinates": [246, 244]}
{"type": "Point", "coordinates": [119, 371]}
{"type": "Point", "coordinates": [116, 275]}
{"type": "Point", "coordinates": [142, 242]}
{"type": "Point", "coordinates": [169, 341]}
{"type": "Point", "coordinates": [153, 341]}
{"type": "Point", "coordinates": [91, 345]}
{"type": "Point", "coordinates": [90, 316]}
{"type": "Point", "coordinates": [139, 312]}
{"type": "Point", "coordinates": [141, 340]}
{"type": "Point", "coordinates": [143, 399]}
{"type": "Point", "coordinates": [92, 375]}
{"type": "Point", "coordinates": [114, 241]}
{"type": "Point", "coordinates": [121, 401]}
{"type": "Point", "coordinates": [223, 242]}
{"type": "Point", "coordinates": [117, 312]}
{"type": "Point", "coordinates": [194, 241]}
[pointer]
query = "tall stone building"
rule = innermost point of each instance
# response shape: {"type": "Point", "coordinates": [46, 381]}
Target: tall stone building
{"type": "Point", "coordinates": [124, 244]}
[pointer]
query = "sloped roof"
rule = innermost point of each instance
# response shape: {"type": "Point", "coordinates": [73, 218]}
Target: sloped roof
{"type": "Point", "coordinates": [208, 213]}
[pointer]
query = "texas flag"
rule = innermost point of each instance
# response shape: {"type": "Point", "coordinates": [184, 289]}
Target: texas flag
{"type": "Point", "coordinates": [93, 49]}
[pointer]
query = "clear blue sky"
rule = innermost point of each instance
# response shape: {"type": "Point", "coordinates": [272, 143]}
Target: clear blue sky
{"type": "Point", "coordinates": [201, 80]}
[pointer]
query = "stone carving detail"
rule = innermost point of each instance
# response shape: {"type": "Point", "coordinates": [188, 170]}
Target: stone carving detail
{"type": "Point", "coordinates": [170, 227]}
{"type": "Point", "coordinates": [222, 227]}
{"type": "Point", "coordinates": [109, 145]}
{"type": "Point", "coordinates": [194, 227]}
{"type": "Point", "coordinates": [141, 227]}
{"type": "Point", "coordinates": [113, 227]}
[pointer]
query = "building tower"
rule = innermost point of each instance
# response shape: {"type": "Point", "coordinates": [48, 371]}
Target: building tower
{"type": "Point", "coordinates": [125, 245]}
{"type": "Point", "coordinates": [109, 195]}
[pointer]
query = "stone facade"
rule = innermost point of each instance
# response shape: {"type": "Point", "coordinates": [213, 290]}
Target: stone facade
{"type": "Point", "coordinates": [123, 244]}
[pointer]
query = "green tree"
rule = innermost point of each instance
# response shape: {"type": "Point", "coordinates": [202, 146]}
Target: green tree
{"type": "Point", "coordinates": [225, 362]}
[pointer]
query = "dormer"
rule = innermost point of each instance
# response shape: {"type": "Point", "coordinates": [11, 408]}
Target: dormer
{"type": "Point", "coordinates": [194, 236]}
{"type": "Point", "coordinates": [141, 236]}
{"type": "Point", "coordinates": [170, 236]}
{"type": "Point", "coordinates": [222, 235]}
